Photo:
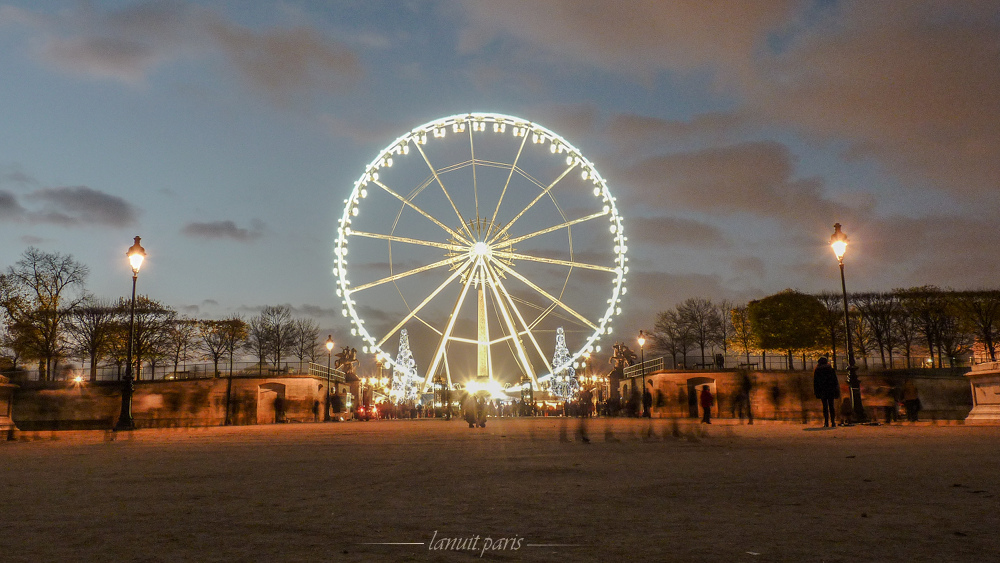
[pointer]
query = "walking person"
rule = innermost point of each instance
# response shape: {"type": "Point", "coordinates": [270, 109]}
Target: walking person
{"type": "Point", "coordinates": [827, 389]}
{"type": "Point", "coordinates": [911, 401]}
{"type": "Point", "coordinates": [707, 400]}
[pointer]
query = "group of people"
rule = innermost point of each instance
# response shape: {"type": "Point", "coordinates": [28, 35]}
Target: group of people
{"type": "Point", "coordinates": [826, 387]}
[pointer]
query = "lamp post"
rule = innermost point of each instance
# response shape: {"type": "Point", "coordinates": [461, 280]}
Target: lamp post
{"type": "Point", "coordinates": [329, 359]}
{"type": "Point", "coordinates": [136, 254]}
{"type": "Point", "coordinates": [839, 244]}
{"type": "Point", "coordinates": [642, 369]}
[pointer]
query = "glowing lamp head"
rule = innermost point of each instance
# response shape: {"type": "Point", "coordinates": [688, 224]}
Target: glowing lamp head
{"type": "Point", "coordinates": [329, 343]}
{"type": "Point", "coordinates": [838, 242]}
{"type": "Point", "coordinates": [642, 339]}
{"type": "Point", "coordinates": [136, 254]}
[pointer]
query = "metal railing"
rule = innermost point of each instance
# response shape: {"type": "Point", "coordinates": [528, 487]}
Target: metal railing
{"type": "Point", "coordinates": [648, 367]}
{"type": "Point", "coordinates": [70, 372]}
{"type": "Point", "coordinates": [320, 370]}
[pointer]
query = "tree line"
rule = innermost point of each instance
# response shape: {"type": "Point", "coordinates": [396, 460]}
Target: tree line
{"type": "Point", "coordinates": [49, 317]}
{"type": "Point", "coordinates": [889, 329]}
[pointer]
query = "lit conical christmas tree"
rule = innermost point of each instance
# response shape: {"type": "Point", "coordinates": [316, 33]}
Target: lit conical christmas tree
{"type": "Point", "coordinates": [405, 383]}
{"type": "Point", "coordinates": [563, 383]}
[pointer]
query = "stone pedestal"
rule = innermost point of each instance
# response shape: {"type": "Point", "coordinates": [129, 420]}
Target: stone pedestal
{"type": "Point", "coordinates": [985, 381]}
{"type": "Point", "coordinates": [7, 427]}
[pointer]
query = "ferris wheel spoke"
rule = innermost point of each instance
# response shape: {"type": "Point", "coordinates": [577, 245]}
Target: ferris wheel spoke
{"type": "Point", "coordinates": [569, 263]}
{"type": "Point", "coordinates": [547, 295]}
{"type": "Point", "coordinates": [443, 344]}
{"type": "Point", "coordinates": [534, 201]}
{"type": "Point", "coordinates": [423, 304]}
{"type": "Point", "coordinates": [408, 240]}
{"type": "Point", "coordinates": [512, 329]}
{"type": "Point", "coordinates": [475, 184]}
{"type": "Point", "coordinates": [527, 329]}
{"type": "Point", "coordinates": [407, 273]}
{"type": "Point", "coordinates": [447, 195]}
{"type": "Point", "coordinates": [563, 225]}
{"type": "Point", "coordinates": [413, 206]}
{"type": "Point", "coordinates": [503, 192]}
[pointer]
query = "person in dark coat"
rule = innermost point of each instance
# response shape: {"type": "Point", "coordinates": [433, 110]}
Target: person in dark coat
{"type": "Point", "coordinates": [707, 400]}
{"type": "Point", "coordinates": [827, 389]}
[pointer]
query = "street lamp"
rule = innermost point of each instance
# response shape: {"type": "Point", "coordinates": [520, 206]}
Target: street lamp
{"type": "Point", "coordinates": [329, 359]}
{"type": "Point", "coordinates": [839, 244]}
{"type": "Point", "coordinates": [642, 369]}
{"type": "Point", "coordinates": [136, 254]}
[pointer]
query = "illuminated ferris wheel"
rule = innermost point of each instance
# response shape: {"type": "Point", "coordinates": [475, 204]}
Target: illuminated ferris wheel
{"type": "Point", "coordinates": [481, 234]}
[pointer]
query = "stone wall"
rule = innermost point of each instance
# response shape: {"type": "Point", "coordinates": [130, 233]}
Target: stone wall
{"type": "Point", "coordinates": [198, 402]}
{"type": "Point", "coordinates": [7, 427]}
{"type": "Point", "coordinates": [788, 395]}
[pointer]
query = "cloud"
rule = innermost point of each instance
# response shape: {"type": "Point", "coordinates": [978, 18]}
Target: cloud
{"type": "Point", "coordinates": [317, 311]}
{"type": "Point", "coordinates": [753, 177]}
{"type": "Point", "coordinates": [80, 206]}
{"type": "Point", "coordinates": [225, 230]}
{"type": "Point", "coordinates": [20, 178]}
{"type": "Point", "coordinates": [131, 43]}
{"type": "Point", "coordinates": [749, 266]}
{"type": "Point", "coordinates": [911, 84]}
{"type": "Point", "coordinates": [10, 209]}
{"type": "Point", "coordinates": [632, 132]}
{"type": "Point", "coordinates": [671, 231]}
{"type": "Point", "coordinates": [636, 36]}
{"type": "Point", "coordinates": [287, 61]}
{"type": "Point", "coordinates": [31, 240]}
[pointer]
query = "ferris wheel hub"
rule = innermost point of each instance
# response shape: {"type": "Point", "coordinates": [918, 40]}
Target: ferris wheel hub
{"type": "Point", "coordinates": [481, 250]}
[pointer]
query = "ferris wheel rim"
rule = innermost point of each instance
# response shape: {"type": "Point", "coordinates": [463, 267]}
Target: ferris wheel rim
{"type": "Point", "coordinates": [499, 122]}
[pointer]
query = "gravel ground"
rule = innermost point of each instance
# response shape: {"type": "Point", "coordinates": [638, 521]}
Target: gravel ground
{"type": "Point", "coordinates": [519, 489]}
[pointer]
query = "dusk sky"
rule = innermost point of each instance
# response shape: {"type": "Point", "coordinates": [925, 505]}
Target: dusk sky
{"type": "Point", "coordinates": [734, 135]}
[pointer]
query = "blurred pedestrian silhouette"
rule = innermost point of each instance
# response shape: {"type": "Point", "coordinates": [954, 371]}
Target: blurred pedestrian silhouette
{"type": "Point", "coordinates": [827, 389]}
{"type": "Point", "coordinates": [707, 400]}
{"type": "Point", "coordinates": [742, 401]}
{"type": "Point", "coordinates": [911, 400]}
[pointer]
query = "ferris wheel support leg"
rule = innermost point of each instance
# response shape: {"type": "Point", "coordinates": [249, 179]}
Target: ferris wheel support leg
{"type": "Point", "coordinates": [442, 346]}
{"type": "Point", "coordinates": [483, 347]}
{"type": "Point", "coordinates": [522, 354]}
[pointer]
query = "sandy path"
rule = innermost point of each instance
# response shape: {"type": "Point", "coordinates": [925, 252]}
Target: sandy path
{"type": "Point", "coordinates": [333, 492]}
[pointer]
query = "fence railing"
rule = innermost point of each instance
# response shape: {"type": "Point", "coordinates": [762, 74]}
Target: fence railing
{"type": "Point", "coordinates": [70, 372]}
{"type": "Point", "coordinates": [649, 366]}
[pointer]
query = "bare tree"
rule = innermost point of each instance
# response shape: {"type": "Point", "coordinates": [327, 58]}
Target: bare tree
{"type": "Point", "coordinates": [861, 334]}
{"type": "Point", "coordinates": [672, 335]}
{"type": "Point", "coordinates": [234, 334]}
{"type": "Point", "coordinates": [833, 322]}
{"type": "Point", "coordinates": [306, 335]}
{"type": "Point", "coordinates": [221, 338]}
{"type": "Point", "coordinates": [722, 310]}
{"type": "Point", "coordinates": [926, 304]}
{"type": "Point", "coordinates": [271, 334]}
{"type": "Point", "coordinates": [878, 310]}
{"type": "Point", "coordinates": [702, 320]}
{"type": "Point", "coordinates": [7, 343]}
{"type": "Point", "coordinates": [153, 322]}
{"type": "Point", "coordinates": [982, 309]}
{"type": "Point", "coordinates": [213, 342]}
{"type": "Point", "coordinates": [904, 326]}
{"type": "Point", "coordinates": [180, 340]}
{"type": "Point", "coordinates": [743, 335]}
{"type": "Point", "coordinates": [955, 331]}
{"type": "Point", "coordinates": [92, 329]}
{"type": "Point", "coordinates": [36, 298]}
